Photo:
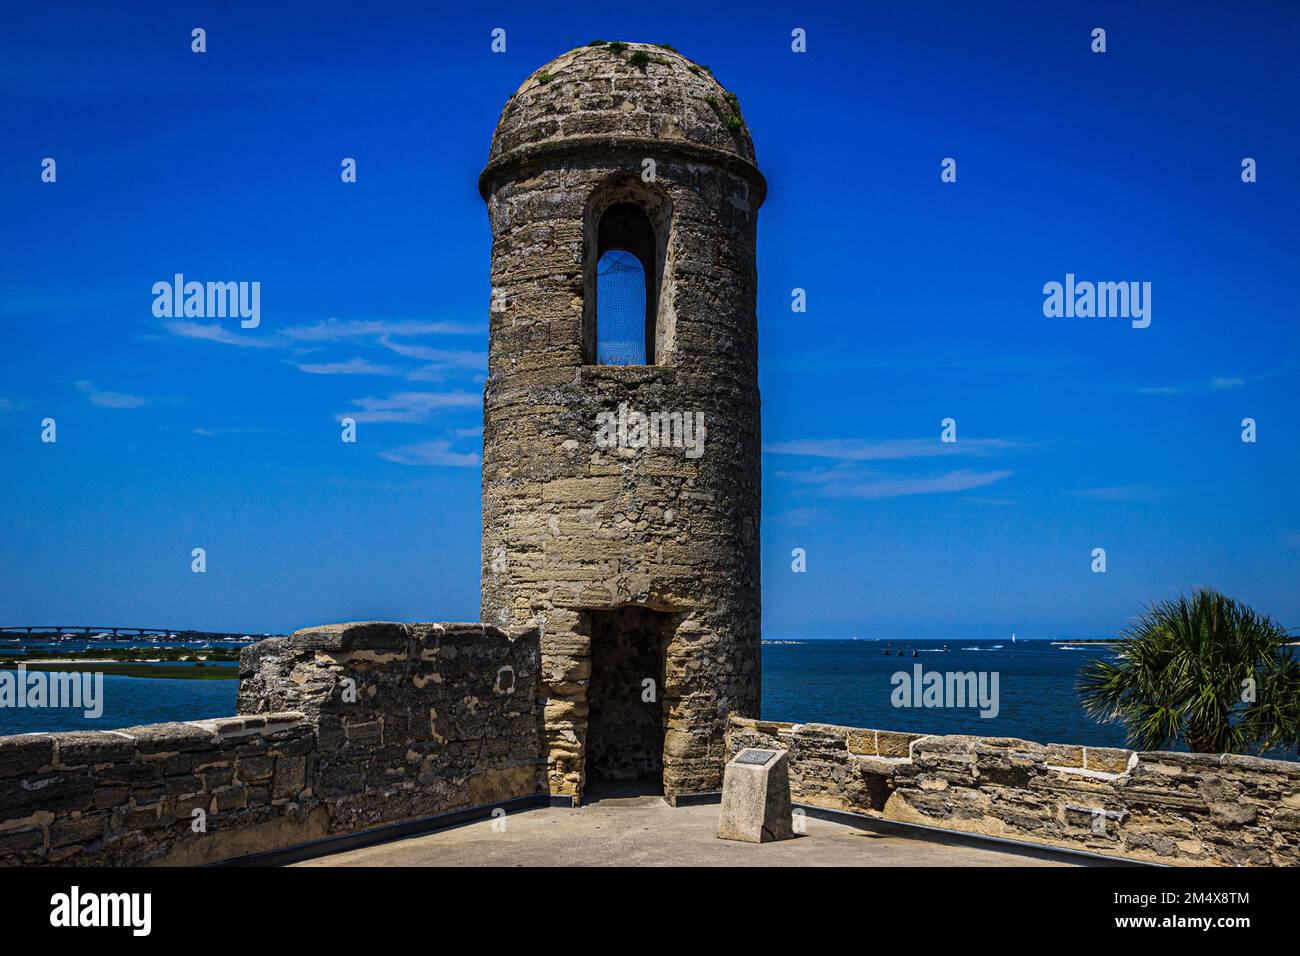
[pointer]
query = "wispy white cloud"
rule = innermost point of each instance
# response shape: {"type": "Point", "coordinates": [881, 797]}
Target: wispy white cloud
{"type": "Point", "coordinates": [212, 432]}
{"type": "Point", "coordinates": [431, 453]}
{"type": "Point", "coordinates": [893, 487]}
{"type": "Point", "coordinates": [1213, 385]}
{"type": "Point", "coordinates": [853, 481]}
{"type": "Point", "coordinates": [854, 449]}
{"type": "Point", "coordinates": [352, 366]}
{"type": "Point", "coordinates": [337, 330]}
{"type": "Point", "coordinates": [821, 363]}
{"type": "Point", "coordinates": [438, 373]}
{"type": "Point", "coordinates": [1218, 383]}
{"type": "Point", "coordinates": [446, 357]}
{"type": "Point", "coordinates": [333, 331]}
{"type": "Point", "coordinates": [1158, 390]}
{"type": "Point", "coordinates": [409, 406]}
{"type": "Point", "coordinates": [802, 517]}
{"type": "Point", "coordinates": [214, 332]}
{"type": "Point", "coordinates": [107, 399]}
{"type": "Point", "coordinates": [313, 349]}
{"type": "Point", "coordinates": [848, 478]}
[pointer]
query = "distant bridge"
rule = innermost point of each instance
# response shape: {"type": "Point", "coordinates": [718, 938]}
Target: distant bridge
{"type": "Point", "coordinates": [88, 631]}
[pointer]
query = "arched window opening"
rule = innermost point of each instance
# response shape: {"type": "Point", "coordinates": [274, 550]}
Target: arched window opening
{"type": "Point", "coordinates": [620, 328]}
{"type": "Point", "coordinates": [620, 309]}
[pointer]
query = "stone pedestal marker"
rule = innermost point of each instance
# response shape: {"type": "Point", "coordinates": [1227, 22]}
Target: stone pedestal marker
{"type": "Point", "coordinates": [756, 797]}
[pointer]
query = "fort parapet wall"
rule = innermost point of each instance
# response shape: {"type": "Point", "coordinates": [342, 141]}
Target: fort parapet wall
{"type": "Point", "coordinates": [1173, 808]}
{"type": "Point", "coordinates": [178, 793]}
{"type": "Point", "coordinates": [349, 727]}
{"type": "Point", "coordinates": [341, 729]}
{"type": "Point", "coordinates": [411, 720]}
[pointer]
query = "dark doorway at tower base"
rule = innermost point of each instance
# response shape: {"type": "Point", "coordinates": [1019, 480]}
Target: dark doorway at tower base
{"type": "Point", "coordinates": [622, 791]}
{"type": "Point", "coordinates": [625, 714]}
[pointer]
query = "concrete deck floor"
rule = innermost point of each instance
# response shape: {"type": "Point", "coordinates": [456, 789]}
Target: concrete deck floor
{"type": "Point", "coordinates": [645, 831]}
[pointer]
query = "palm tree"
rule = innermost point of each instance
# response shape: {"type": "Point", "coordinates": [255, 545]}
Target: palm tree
{"type": "Point", "coordinates": [1206, 670]}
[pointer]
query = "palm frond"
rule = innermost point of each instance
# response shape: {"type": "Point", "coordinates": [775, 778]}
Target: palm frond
{"type": "Point", "coordinates": [1179, 674]}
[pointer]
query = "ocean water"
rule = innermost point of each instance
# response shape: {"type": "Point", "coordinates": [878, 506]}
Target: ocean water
{"type": "Point", "coordinates": [832, 682]}
{"type": "Point", "coordinates": [850, 683]}
{"type": "Point", "coordinates": [127, 701]}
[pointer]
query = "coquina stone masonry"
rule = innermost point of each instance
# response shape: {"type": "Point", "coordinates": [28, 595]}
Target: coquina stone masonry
{"type": "Point", "coordinates": [634, 148]}
{"type": "Point", "coordinates": [1174, 808]}
{"type": "Point", "coordinates": [411, 720]}
{"type": "Point", "coordinates": [176, 793]}
{"type": "Point", "coordinates": [341, 728]}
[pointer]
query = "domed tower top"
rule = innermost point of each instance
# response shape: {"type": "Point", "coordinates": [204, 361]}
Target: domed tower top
{"type": "Point", "coordinates": [627, 97]}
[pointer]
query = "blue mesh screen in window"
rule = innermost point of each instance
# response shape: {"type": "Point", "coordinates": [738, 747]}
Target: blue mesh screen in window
{"type": "Point", "coordinates": [620, 309]}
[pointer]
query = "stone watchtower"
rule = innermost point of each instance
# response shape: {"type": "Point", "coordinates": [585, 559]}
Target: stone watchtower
{"type": "Point", "coordinates": [623, 200]}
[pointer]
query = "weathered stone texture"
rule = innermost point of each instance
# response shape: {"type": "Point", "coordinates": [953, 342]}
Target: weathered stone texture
{"type": "Point", "coordinates": [121, 797]}
{"type": "Point", "coordinates": [341, 728]}
{"type": "Point", "coordinates": [410, 717]}
{"type": "Point", "coordinates": [569, 528]}
{"type": "Point", "coordinates": [756, 799]}
{"type": "Point", "coordinates": [594, 93]}
{"type": "Point", "coordinates": [1173, 808]}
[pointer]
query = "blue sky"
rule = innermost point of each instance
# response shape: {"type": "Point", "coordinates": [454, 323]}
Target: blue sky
{"type": "Point", "coordinates": [924, 302]}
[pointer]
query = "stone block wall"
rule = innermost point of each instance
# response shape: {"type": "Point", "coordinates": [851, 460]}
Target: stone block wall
{"type": "Point", "coordinates": [412, 719]}
{"type": "Point", "coordinates": [128, 797]}
{"type": "Point", "coordinates": [1173, 808]}
{"type": "Point", "coordinates": [342, 728]}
